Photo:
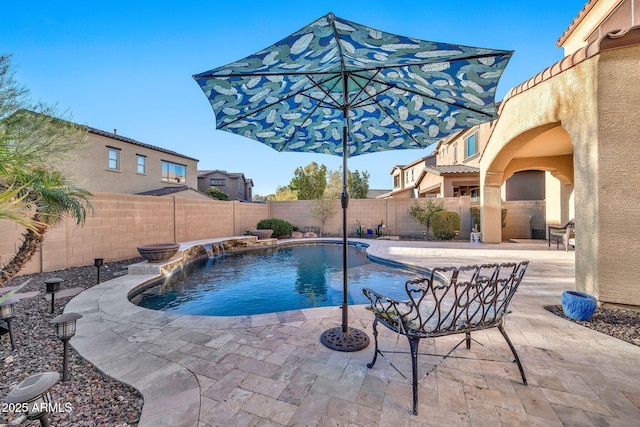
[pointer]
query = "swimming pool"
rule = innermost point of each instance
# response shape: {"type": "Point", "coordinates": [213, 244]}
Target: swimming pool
{"type": "Point", "coordinates": [273, 280]}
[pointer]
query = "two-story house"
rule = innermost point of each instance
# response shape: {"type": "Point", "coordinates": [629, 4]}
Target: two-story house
{"type": "Point", "coordinates": [236, 185]}
{"type": "Point", "coordinates": [453, 170]}
{"type": "Point", "coordinates": [406, 178]}
{"type": "Point", "coordinates": [113, 163]}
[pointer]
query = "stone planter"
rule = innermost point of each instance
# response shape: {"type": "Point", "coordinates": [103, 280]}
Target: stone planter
{"type": "Point", "coordinates": [262, 234]}
{"type": "Point", "coordinates": [578, 305]}
{"type": "Point", "coordinates": [158, 252]}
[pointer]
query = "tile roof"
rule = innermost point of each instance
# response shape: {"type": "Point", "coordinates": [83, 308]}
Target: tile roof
{"type": "Point", "coordinates": [164, 191]}
{"type": "Point", "coordinates": [451, 169]}
{"type": "Point", "coordinates": [134, 142]}
{"type": "Point", "coordinates": [583, 12]}
{"type": "Point", "coordinates": [204, 173]}
{"type": "Point", "coordinates": [611, 40]}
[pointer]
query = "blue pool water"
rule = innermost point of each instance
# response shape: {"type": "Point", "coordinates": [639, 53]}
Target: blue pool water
{"type": "Point", "coordinates": [270, 280]}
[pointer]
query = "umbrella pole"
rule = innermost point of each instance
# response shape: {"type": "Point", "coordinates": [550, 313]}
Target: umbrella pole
{"type": "Point", "coordinates": [344, 338]}
{"type": "Point", "coordinates": [344, 200]}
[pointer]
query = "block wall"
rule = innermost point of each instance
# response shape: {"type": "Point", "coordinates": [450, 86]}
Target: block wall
{"type": "Point", "coordinates": [120, 223]}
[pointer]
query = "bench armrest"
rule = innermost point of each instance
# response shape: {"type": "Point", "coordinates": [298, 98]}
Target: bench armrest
{"type": "Point", "coordinates": [388, 310]}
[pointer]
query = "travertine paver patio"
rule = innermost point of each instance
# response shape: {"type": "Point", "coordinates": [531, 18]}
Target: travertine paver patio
{"type": "Point", "coordinates": [272, 370]}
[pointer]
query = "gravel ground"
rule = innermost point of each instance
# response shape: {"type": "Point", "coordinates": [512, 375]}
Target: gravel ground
{"type": "Point", "coordinates": [618, 323]}
{"type": "Point", "coordinates": [95, 399]}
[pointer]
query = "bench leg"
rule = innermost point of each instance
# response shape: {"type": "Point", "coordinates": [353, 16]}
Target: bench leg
{"type": "Point", "coordinates": [413, 343]}
{"type": "Point", "coordinates": [515, 355]}
{"type": "Point", "coordinates": [468, 340]}
{"type": "Point", "coordinates": [375, 338]}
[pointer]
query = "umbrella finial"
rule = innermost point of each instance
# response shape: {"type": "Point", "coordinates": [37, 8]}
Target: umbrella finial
{"type": "Point", "coordinates": [331, 17]}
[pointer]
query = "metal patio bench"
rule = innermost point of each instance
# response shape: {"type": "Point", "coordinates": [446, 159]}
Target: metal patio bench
{"type": "Point", "coordinates": [452, 300]}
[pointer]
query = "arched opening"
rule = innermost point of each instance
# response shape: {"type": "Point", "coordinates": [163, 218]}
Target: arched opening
{"type": "Point", "coordinates": [546, 149]}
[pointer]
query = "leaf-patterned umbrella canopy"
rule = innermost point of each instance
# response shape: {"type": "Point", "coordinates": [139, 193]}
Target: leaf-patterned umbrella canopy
{"type": "Point", "coordinates": [336, 84]}
{"type": "Point", "coordinates": [395, 92]}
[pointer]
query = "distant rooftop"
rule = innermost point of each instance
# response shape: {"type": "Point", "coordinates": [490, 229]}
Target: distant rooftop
{"type": "Point", "coordinates": [165, 191]}
{"type": "Point", "coordinates": [134, 142]}
{"type": "Point", "coordinates": [451, 169]}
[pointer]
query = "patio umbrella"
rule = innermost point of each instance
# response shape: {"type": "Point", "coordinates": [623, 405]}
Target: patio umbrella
{"type": "Point", "coordinates": [342, 88]}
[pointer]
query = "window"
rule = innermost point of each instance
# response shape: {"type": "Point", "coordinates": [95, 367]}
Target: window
{"type": "Point", "coordinates": [173, 172]}
{"type": "Point", "coordinates": [471, 145]}
{"type": "Point", "coordinates": [412, 176]}
{"type": "Point", "coordinates": [396, 181]}
{"type": "Point", "coordinates": [142, 163]}
{"type": "Point", "coordinates": [455, 153]}
{"type": "Point", "coordinates": [475, 194]}
{"type": "Point", "coordinates": [217, 182]}
{"type": "Point", "coordinates": [114, 158]}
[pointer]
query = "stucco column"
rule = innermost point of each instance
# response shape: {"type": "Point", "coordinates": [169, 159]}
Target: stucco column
{"type": "Point", "coordinates": [491, 202]}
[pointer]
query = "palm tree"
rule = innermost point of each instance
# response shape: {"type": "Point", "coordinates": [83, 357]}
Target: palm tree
{"type": "Point", "coordinates": [51, 199]}
{"type": "Point", "coordinates": [13, 206]}
{"type": "Point", "coordinates": [33, 137]}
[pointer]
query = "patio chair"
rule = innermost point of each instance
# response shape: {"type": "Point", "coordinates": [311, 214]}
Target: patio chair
{"type": "Point", "coordinates": [562, 234]}
{"type": "Point", "coordinates": [452, 300]}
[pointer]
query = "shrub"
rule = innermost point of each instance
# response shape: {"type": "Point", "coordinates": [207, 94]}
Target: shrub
{"type": "Point", "coordinates": [445, 224]}
{"type": "Point", "coordinates": [475, 217]}
{"type": "Point", "coordinates": [280, 227]}
{"type": "Point", "coordinates": [424, 214]}
{"type": "Point", "coordinates": [217, 194]}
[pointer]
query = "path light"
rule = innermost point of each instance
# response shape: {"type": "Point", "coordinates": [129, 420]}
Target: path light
{"type": "Point", "coordinates": [34, 392]}
{"type": "Point", "coordinates": [98, 262]}
{"type": "Point", "coordinates": [65, 329]}
{"type": "Point", "coordinates": [7, 313]}
{"type": "Point", "coordinates": [53, 286]}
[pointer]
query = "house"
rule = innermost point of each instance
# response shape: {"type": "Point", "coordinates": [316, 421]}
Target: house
{"type": "Point", "coordinates": [578, 121]}
{"type": "Point", "coordinates": [456, 171]}
{"type": "Point", "coordinates": [236, 185]}
{"type": "Point", "coordinates": [406, 177]}
{"type": "Point", "coordinates": [112, 163]}
{"type": "Point", "coordinates": [568, 136]}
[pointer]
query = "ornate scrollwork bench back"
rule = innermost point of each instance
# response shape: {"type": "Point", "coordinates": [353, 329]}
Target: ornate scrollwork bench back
{"type": "Point", "coordinates": [451, 300]}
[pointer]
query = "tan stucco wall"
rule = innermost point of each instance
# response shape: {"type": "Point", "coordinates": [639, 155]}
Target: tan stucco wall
{"type": "Point", "coordinates": [569, 99]}
{"type": "Point", "coordinates": [429, 181]}
{"type": "Point", "coordinates": [618, 166]}
{"type": "Point", "coordinates": [596, 102]}
{"type": "Point", "coordinates": [453, 151]}
{"type": "Point", "coordinates": [88, 169]}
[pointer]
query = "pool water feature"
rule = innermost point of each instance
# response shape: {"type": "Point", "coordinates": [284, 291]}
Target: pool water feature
{"type": "Point", "coordinates": [272, 280]}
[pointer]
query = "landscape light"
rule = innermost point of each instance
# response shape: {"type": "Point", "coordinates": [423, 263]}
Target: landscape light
{"type": "Point", "coordinates": [53, 286]}
{"type": "Point", "coordinates": [33, 392]}
{"type": "Point", "coordinates": [98, 262]}
{"type": "Point", "coordinates": [7, 313]}
{"type": "Point", "coordinates": [65, 329]}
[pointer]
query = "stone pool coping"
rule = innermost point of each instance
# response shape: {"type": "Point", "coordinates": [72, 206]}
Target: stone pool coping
{"type": "Point", "coordinates": [246, 370]}
{"type": "Point", "coordinates": [112, 328]}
